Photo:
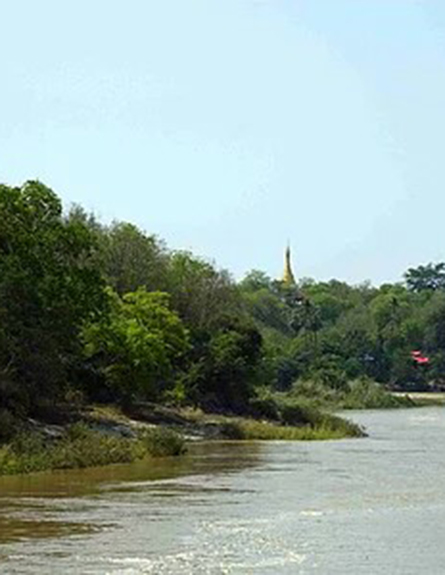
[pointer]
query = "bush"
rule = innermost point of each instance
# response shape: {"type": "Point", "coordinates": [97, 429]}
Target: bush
{"type": "Point", "coordinates": [232, 430]}
{"type": "Point", "coordinates": [82, 447]}
{"type": "Point", "coordinates": [361, 393]}
{"type": "Point", "coordinates": [315, 392]}
{"type": "Point", "coordinates": [294, 413]}
{"type": "Point", "coordinates": [162, 442]}
{"type": "Point", "coordinates": [367, 394]}
{"type": "Point", "coordinates": [264, 408]}
{"type": "Point", "coordinates": [78, 447]}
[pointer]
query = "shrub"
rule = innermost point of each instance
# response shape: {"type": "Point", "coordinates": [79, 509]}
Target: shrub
{"type": "Point", "coordinates": [315, 392]}
{"type": "Point", "coordinates": [367, 394]}
{"type": "Point", "coordinates": [162, 442]}
{"type": "Point", "coordinates": [264, 408]}
{"type": "Point", "coordinates": [78, 447]}
{"type": "Point", "coordinates": [361, 393]}
{"type": "Point", "coordinates": [232, 430]}
{"type": "Point", "coordinates": [82, 447]}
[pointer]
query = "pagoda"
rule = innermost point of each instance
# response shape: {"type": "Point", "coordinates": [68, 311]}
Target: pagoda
{"type": "Point", "coordinates": [288, 276]}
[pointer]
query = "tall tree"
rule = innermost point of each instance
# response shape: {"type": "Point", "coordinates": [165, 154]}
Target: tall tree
{"type": "Point", "coordinates": [426, 278]}
{"type": "Point", "coordinates": [48, 289]}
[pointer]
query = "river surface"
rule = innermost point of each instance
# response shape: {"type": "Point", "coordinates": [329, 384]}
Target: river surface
{"type": "Point", "coordinates": [361, 506]}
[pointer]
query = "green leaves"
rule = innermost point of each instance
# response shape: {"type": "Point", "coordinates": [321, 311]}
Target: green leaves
{"type": "Point", "coordinates": [48, 288]}
{"type": "Point", "coordinates": [139, 345]}
{"type": "Point", "coordinates": [426, 278]}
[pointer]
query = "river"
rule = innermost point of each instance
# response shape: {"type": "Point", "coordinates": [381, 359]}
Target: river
{"type": "Point", "coordinates": [361, 506]}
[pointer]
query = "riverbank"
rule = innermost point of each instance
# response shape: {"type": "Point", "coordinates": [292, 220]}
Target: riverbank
{"type": "Point", "coordinates": [107, 434]}
{"type": "Point", "coordinates": [422, 398]}
{"type": "Point", "coordinates": [67, 437]}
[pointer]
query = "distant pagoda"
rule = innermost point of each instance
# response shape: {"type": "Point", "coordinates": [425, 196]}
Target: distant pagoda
{"type": "Point", "coordinates": [288, 276]}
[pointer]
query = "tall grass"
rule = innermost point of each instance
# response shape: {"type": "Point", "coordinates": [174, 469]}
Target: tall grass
{"type": "Point", "coordinates": [331, 428]}
{"type": "Point", "coordinates": [361, 393]}
{"type": "Point", "coordinates": [365, 394]}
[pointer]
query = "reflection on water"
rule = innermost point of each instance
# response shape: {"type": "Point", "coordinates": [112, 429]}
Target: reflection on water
{"type": "Point", "coordinates": [33, 506]}
{"type": "Point", "coordinates": [366, 506]}
{"type": "Point", "coordinates": [15, 529]}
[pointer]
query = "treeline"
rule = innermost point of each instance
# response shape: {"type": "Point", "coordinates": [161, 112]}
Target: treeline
{"type": "Point", "coordinates": [109, 314]}
{"type": "Point", "coordinates": [90, 312]}
{"type": "Point", "coordinates": [331, 333]}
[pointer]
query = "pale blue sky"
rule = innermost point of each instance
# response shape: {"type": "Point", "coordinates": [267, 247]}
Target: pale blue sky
{"type": "Point", "coordinates": [231, 126]}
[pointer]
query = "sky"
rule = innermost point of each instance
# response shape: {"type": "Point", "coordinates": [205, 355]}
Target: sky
{"type": "Point", "coordinates": [231, 127]}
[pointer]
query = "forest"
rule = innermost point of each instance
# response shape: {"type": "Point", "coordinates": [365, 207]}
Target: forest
{"type": "Point", "coordinates": [108, 314]}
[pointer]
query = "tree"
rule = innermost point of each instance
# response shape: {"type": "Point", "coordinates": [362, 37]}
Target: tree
{"type": "Point", "coordinates": [48, 289]}
{"type": "Point", "coordinates": [130, 259]}
{"type": "Point", "coordinates": [225, 366]}
{"type": "Point", "coordinates": [268, 309]}
{"type": "Point", "coordinates": [139, 346]}
{"type": "Point", "coordinates": [256, 280]}
{"type": "Point", "coordinates": [201, 294]}
{"type": "Point", "coordinates": [426, 278]}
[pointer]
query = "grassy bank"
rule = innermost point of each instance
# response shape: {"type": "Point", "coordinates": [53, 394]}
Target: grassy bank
{"type": "Point", "coordinates": [80, 446]}
{"type": "Point", "coordinates": [107, 435]}
{"type": "Point", "coordinates": [278, 419]}
{"type": "Point", "coordinates": [250, 429]}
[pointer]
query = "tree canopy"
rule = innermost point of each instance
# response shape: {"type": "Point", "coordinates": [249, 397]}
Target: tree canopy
{"type": "Point", "coordinates": [110, 311]}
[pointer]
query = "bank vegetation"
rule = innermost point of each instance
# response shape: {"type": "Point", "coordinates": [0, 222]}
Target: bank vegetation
{"type": "Point", "coordinates": [94, 313]}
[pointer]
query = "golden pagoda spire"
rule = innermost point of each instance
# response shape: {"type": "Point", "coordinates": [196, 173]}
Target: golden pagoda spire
{"type": "Point", "coordinates": [288, 276]}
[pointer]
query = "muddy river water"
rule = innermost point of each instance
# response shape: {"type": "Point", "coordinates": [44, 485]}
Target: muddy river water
{"type": "Point", "coordinates": [360, 506]}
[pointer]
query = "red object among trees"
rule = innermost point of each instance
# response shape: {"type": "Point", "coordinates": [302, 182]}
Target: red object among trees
{"type": "Point", "coordinates": [419, 358]}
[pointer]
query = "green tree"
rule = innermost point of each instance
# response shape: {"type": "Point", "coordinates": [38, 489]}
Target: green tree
{"type": "Point", "coordinates": [139, 346]}
{"type": "Point", "coordinates": [48, 288]}
{"type": "Point", "coordinates": [201, 294]}
{"type": "Point", "coordinates": [264, 304]}
{"type": "Point", "coordinates": [225, 366]}
{"type": "Point", "coordinates": [426, 278]}
{"type": "Point", "coordinates": [130, 259]}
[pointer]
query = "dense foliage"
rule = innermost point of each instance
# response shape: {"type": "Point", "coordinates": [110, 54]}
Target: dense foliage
{"type": "Point", "coordinates": [108, 312]}
{"type": "Point", "coordinates": [332, 333]}
{"type": "Point", "coordinates": [48, 290]}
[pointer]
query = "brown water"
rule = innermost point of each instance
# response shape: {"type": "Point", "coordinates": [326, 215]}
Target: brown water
{"type": "Point", "coordinates": [362, 506]}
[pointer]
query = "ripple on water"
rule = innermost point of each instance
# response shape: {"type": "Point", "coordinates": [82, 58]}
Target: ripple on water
{"type": "Point", "coordinates": [362, 507]}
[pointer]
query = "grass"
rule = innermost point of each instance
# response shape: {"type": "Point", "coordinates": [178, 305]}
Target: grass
{"type": "Point", "coordinates": [357, 394]}
{"type": "Point", "coordinates": [364, 394]}
{"type": "Point", "coordinates": [82, 447]}
{"type": "Point", "coordinates": [335, 428]}
{"type": "Point", "coordinates": [163, 442]}
{"type": "Point", "coordinates": [422, 398]}
{"type": "Point", "coordinates": [288, 419]}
